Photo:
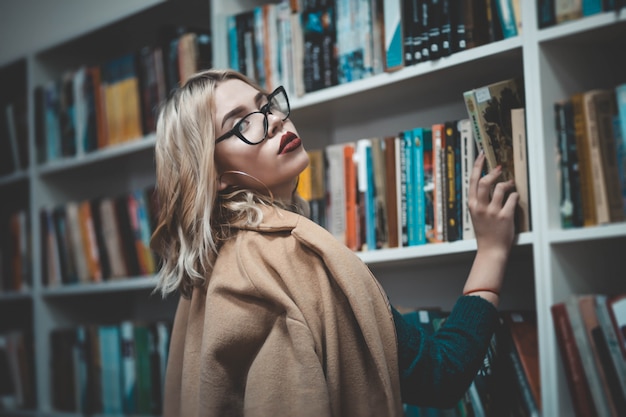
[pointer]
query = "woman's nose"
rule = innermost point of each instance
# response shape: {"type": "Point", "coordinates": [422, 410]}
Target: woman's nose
{"type": "Point", "coordinates": [274, 124]}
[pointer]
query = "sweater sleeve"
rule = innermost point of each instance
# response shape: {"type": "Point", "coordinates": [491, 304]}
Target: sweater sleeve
{"type": "Point", "coordinates": [436, 370]}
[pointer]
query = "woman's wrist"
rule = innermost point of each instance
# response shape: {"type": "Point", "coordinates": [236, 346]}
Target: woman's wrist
{"type": "Point", "coordinates": [475, 290]}
{"type": "Point", "coordinates": [487, 294]}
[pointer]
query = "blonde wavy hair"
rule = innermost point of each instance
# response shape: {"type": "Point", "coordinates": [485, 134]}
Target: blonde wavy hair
{"type": "Point", "coordinates": [195, 218]}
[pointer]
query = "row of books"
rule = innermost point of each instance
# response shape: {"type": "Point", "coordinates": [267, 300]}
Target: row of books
{"type": "Point", "coordinates": [95, 106]}
{"type": "Point", "coordinates": [508, 382]}
{"type": "Point", "coordinates": [15, 252]}
{"type": "Point", "coordinates": [110, 368]}
{"type": "Point", "coordinates": [590, 333]}
{"type": "Point", "coordinates": [591, 143]}
{"type": "Point", "coordinates": [553, 12]}
{"type": "Point", "coordinates": [17, 374]}
{"type": "Point", "coordinates": [308, 45]}
{"type": "Point", "coordinates": [412, 188]}
{"type": "Point", "coordinates": [100, 239]}
{"type": "Point", "coordinates": [14, 137]}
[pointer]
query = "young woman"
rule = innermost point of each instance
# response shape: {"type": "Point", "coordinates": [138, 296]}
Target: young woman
{"type": "Point", "coordinates": [277, 317]}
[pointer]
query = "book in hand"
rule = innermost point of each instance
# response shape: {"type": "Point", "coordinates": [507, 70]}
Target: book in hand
{"type": "Point", "coordinates": [489, 109]}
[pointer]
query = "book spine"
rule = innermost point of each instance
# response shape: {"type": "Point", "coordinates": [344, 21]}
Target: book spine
{"type": "Point", "coordinates": [411, 207]}
{"type": "Point", "coordinates": [590, 7]}
{"type": "Point", "coordinates": [233, 47]}
{"type": "Point", "coordinates": [393, 35]}
{"type": "Point", "coordinates": [350, 170]}
{"type": "Point", "coordinates": [110, 356]}
{"type": "Point", "coordinates": [520, 167]}
{"type": "Point", "coordinates": [451, 202]}
{"type": "Point", "coordinates": [391, 190]}
{"type": "Point", "coordinates": [619, 129]}
{"type": "Point", "coordinates": [507, 18]}
{"type": "Point", "coordinates": [472, 112]}
{"type": "Point", "coordinates": [421, 136]}
{"type": "Point", "coordinates": [336, 192]}
{"type": "Point", "coordinates": [468, 156]}
{"type": "Point", "coordinates": [584, 161]}
{"type": "Point", "coordinates": [438, 179]}
{"type": "Point", "coordinates": [528, 399]}
{"type": "Point", "coordinates": [380, 186]}
{"type": "Point", "coordinates": [566, 205]}
{"type": "Point", "coordinates": [605, 371]}
{"type": "Point", "coordinates": [572, 362]}
{"type": "Point", "coordinates": [370, 200]}
{"type": "Point", "coordinates": [611, 340]}
{"type": "Point", "coordinates": [606, 110]}
{"type": "Point", "coordinates": [598, 394]}
{"type": "Point", "coordinates": [545, 13]}
{"type": "Point", "coordinates": [598, 184]}
{"type": "Point", "coordinates": [403, 238]}
{"type": "Point", "coordinates": [128, 368]}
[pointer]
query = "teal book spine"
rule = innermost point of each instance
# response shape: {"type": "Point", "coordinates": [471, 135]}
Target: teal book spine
{"type": "Point", "coordinates": [421, 136]}
{"type": "Point", "coordinates": [409, 168]}
{"type": "Point", "coordinates": [506, 15]}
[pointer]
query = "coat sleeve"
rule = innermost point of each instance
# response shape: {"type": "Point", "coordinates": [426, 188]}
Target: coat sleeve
{"type": "Point", "coordinates": [437, 369]}
{"type": "Point", "coordinates": [258, 354]}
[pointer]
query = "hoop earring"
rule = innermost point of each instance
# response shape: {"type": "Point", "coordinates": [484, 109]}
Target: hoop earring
{"type": "Point", "coordinates": [245, 174]}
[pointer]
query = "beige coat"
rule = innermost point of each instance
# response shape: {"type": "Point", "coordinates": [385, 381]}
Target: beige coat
{"type": "Point", "coordinates": [292, 324]}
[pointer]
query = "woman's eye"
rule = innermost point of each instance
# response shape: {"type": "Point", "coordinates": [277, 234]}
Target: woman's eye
{"type": "Point", "coordinates": [242, 126]}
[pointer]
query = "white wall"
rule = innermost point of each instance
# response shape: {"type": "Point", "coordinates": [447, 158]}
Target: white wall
{"type": "Point", "coordinates": [27, 26]}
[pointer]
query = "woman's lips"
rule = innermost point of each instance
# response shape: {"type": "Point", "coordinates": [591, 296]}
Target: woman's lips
{"type": "Point", "coordinates": [289, 142]}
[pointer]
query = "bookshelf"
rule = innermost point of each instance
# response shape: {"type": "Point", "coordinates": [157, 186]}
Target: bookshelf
{"type": "Point", "coordinates": [547, 264]}
{"type": "Point", "coordinates": [36, 308]}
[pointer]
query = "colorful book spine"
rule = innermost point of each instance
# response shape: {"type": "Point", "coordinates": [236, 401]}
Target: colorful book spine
{"type": "Point", "coordinates": [619, 123]}
{"type": "Point", "coordinates": [506, 14]}
{"type": "Point", "coordinates": [420, 136]}
{"type": "Point", "coordinates": [394, 50]}
{"type": "Point", "coordinates": [128, 368]}
{"type": "Point", "coordinates": [366, 189]}
{"type": "Point", "coordinates": [409, 169]}
{"type": "Point", "coordinates": [110, 357]}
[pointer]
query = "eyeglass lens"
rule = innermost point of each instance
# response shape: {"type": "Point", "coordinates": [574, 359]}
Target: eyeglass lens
{"type": "Point", "coordinates": [254, 126]}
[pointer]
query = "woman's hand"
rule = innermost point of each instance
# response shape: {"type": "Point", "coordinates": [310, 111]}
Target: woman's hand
{"type": "Point", "coordinates": [493, 217]}
{"type": "Point", "coordinates": [492, 214]}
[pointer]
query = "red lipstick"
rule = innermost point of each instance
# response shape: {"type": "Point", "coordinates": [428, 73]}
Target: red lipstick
{"type": "Point", "coordinates": [289, 142]}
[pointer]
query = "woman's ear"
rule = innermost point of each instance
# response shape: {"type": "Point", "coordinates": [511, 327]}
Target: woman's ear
{"type": "Point", "coordinates": [221, 184]}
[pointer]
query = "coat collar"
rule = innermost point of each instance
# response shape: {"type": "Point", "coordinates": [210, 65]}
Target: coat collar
{"type": "Point", "coordinates": [274, 220]}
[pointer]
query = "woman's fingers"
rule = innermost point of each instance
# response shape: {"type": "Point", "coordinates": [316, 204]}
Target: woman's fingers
{"type": "Point", "coordinates": [476, 171]}
{"type": "Point", "coordinates": [500, 191]}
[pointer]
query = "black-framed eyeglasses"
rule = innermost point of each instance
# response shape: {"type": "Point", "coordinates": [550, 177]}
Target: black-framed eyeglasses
{"type": "Point", "coordinates": [252, 128]}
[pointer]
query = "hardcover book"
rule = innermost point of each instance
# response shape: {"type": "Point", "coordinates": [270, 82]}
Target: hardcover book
{"type": "Point", "coordinates": [518, 125]}
{"type": "Point", "coordinates": [571, 208]}
{"type": "Point", "coordinates": [524, 352]}
{"type": "Point", "coordinates": [489, 109]}
{"type": "Point", "coordinates": [393, 35]}
{"type": "Point", "coordinates": [391, 190]}
{"type": "Point", "coordinates": [572, 362]}
{"type": "Point", "coordinates": [468, 157]}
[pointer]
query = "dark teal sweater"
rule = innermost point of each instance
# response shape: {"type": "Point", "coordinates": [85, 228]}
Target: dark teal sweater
{"type": "Point", "coordinates": [436, 370]}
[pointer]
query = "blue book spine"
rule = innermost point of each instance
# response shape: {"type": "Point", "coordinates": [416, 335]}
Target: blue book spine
{"type": "Point", "coordinates": [620, 138]}
{"type": "Point", "coordinates": [370, 206]}
{"type": "Point", "coordinates": [233, 47]}
{"type": "Point", "coordinates": [591, 7]}
{"type": "Point", "coordinates": [111, 357]}
{"type": "Point", "coordinates": [507, 18]}
{"type": "Point", "coordinates": [394, 46]}
{"type": "Point", "coordinates": [409, 157]}
{"type": "Point", "coordinates": [420, 136]}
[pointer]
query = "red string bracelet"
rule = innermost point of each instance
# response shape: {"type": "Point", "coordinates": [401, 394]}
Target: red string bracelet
{"type": "Point", "coordinates": [481, 289]}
